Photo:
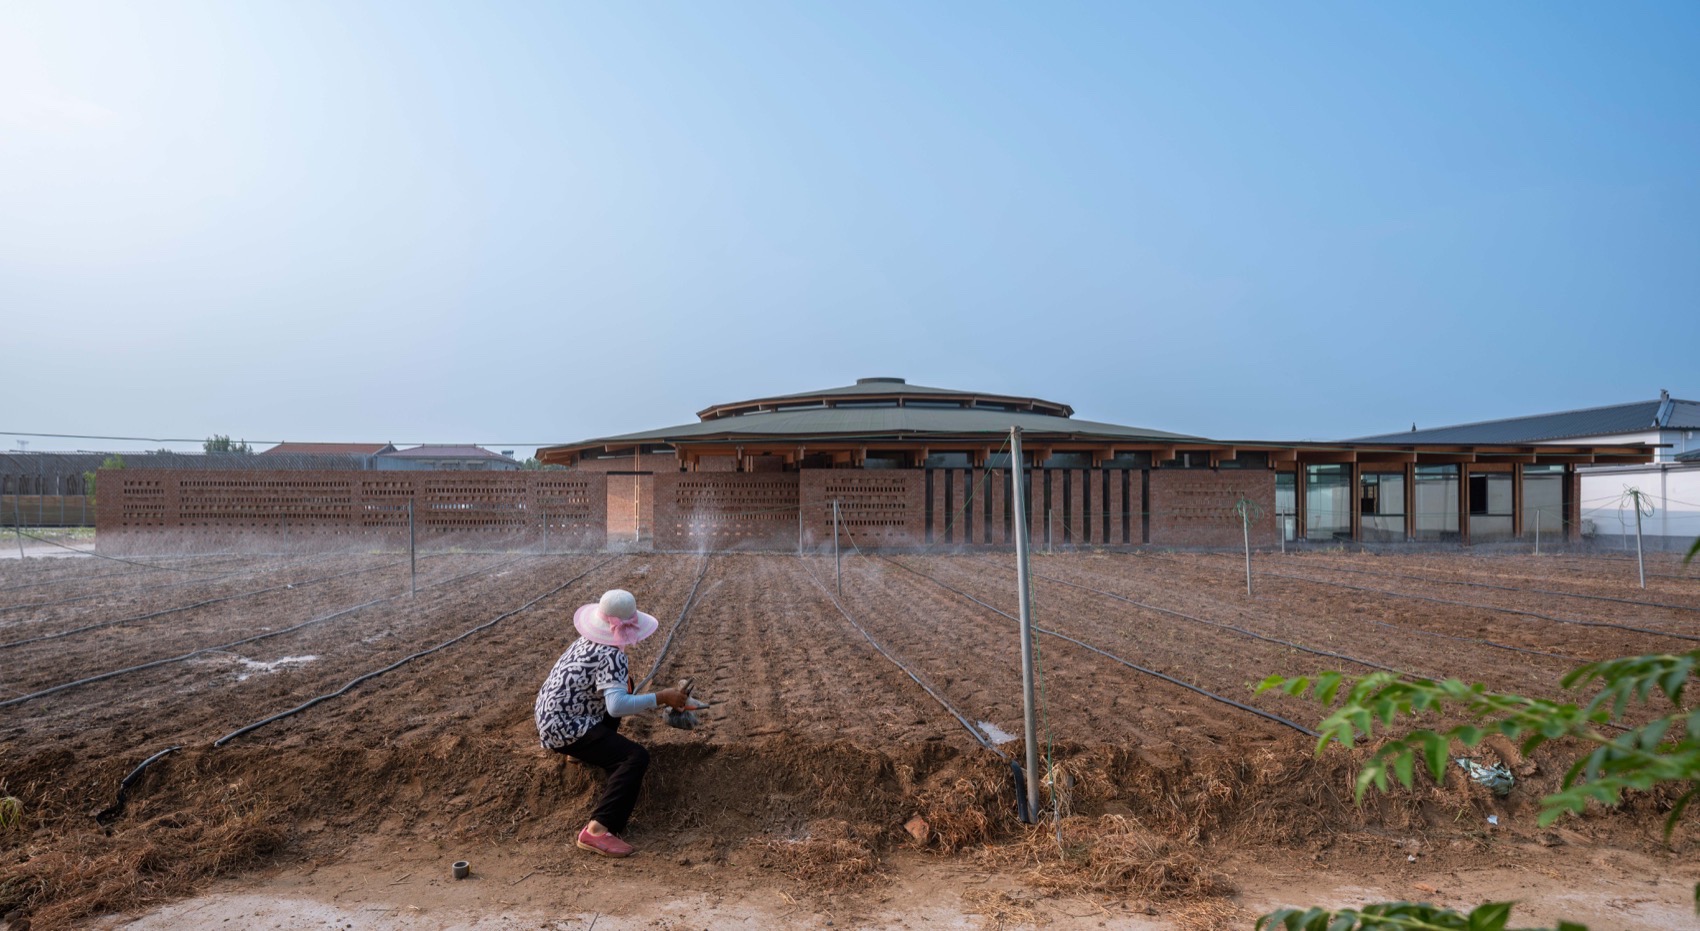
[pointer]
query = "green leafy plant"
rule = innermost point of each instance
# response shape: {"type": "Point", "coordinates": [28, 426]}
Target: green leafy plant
{"type": "Point", "coordinates": [1388, 916]}
{"type": "Point", "coordinates": [1663, 751]}
{"type": "Point", "coordinates": [110, 462]}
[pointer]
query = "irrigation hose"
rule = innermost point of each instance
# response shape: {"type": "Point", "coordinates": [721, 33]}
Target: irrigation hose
{"type": "Point", "coordinates": [1469, 604]}
{"type": "Point", "coordinates": [1475, 640]}
{"type": "Point", "coordinates": [667, 644]}
{"type": "Point", "coordinates": [978, 735]}
{"type": "Point", "coordinates": [1508, 588]}
{"type": "Point", "coordinates": [145, 588]}
{"type": "Point", "coordinates": [1108, 655]}
{"type": "Point", "coordinates": [112, 674]}
{"type": "Point", "coordinates": [248, 729]}
{"type": "Point", "coordinates": [1228, 627]}
{"type": "Point", "coordinates": [100, 625]}
{"type": "Point", "coordinates": [22, 533]}
{"type": "Point", "coordinates": [110, 813]}
{"type": "Point", "coordinates": [74, 577]}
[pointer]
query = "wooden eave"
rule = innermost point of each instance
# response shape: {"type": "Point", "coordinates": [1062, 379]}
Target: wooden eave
{"type": "Point", "coordinates": [1282, 455]}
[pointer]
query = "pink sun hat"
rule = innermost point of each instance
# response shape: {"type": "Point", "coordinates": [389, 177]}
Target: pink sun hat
{"type": "Point", "coordinates": [614, 621]}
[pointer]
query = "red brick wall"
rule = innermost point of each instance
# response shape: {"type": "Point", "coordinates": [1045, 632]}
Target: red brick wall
{"type": "Point", "coordinates": [1194, 507]}
{"type": "Point", "coordinates": [878, 508]}
{"type": "Point", "coordinates": [726, 510]}
{"type": "Point", "coordinates": [631, 498]}
{"type": "Point", "coordinates": [143, 510]}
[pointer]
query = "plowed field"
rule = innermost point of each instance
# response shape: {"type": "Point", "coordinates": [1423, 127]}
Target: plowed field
{"type": "Point", "coordinates": [836, 721]}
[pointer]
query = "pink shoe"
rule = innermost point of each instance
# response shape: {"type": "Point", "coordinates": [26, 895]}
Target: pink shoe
{"type": "Point", "coordinates": [605, 844]}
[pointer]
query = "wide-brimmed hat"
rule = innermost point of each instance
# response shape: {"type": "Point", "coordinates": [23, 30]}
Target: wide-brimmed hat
{"type": "Point", "coordinates": [614, 621]}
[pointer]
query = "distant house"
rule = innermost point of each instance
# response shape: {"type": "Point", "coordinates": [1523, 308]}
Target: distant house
{"type": "Point", "coordinates": [475, 458]}
{"type": "Point", "coordinates": [329, 449]}
{"type": "Point", "coordinates": [1671, 482]}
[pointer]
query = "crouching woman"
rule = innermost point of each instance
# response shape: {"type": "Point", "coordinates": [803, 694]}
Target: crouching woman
{"type": "Point", "coordinates": [579, 708]}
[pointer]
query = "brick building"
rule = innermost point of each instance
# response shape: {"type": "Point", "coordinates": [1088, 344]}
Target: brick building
{"type": "Point", "coordinates": [909, 465]}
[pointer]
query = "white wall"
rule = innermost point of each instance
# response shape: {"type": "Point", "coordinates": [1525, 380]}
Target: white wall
{"type": "Point", "coordinates": [1672, 488]}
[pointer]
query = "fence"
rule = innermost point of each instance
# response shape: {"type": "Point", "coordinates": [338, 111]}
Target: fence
{"type": "Point", "coordinates": [46, 510]}
{"type": "Point", "coordinates": [153, 510]}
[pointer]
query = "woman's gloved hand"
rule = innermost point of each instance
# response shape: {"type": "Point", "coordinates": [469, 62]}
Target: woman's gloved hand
{"type": "Point", "coordinates": [675, 699]}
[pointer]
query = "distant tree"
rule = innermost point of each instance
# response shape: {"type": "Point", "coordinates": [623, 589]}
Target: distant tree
{"type": "Point", "coordinates": [111, 462]}
{"type": "Point", "coordinates": [531, 464]}
{"type": "Point", "coordinates": [218, 443]}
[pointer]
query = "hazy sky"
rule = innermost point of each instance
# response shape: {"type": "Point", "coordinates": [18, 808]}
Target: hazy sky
{"type": "Point", "coordinates": [518, 223]}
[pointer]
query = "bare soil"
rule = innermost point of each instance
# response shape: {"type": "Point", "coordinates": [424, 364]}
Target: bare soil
{"type": "Point", "coordinates": [790, 803]}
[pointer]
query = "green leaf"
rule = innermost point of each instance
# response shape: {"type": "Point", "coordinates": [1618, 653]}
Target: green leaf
{"type": "Point", "coordinates": [1328, 686]}
{"type": "Point", "coordinates": [1403, 764]}
{"type": "Point", "coordinates": [1434, 751]}
{"type": "Point", "coordinates": [1490, 917]}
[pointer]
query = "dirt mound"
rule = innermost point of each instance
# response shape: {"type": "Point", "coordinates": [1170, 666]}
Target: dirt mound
{"type": "Point", "coordinates": [824, 812]}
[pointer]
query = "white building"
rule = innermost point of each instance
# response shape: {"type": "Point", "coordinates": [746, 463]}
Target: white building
{"type": "Point", "coordinates": [1670, 485]}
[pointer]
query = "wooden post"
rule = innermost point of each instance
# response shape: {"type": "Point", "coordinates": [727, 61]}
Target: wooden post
{"type": "Point", "coordinates": [1517, 522]}
{"type": "Point", "coordinates": [1355, 501]}
{"type": "Point", "coordinates": [1410, 501]}
{"type": "Point", "coordinates": [1464, 503]}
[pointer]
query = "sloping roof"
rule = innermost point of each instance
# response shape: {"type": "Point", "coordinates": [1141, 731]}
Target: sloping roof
{"type": "Point", "coordinates": [1593, 421]}
{"type": "Point", "coordinates": [446, 452]}
{"type": "Point", "coordinates": [1692, 455]}
{"type": "Point", "coordinates": [328, 449]}
{"type": "Point", "coordinates": [872, 424]}
{"type": "Point", "coordinates": [868, 388]}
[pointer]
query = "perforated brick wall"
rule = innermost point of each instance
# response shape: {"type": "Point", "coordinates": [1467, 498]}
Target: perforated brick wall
{"type": "Point", "coordinates": [195, 509]}
{"type": "Point", "coordinates": [877, 508]}
{"type": "Point", "coordinates": [726, 510]}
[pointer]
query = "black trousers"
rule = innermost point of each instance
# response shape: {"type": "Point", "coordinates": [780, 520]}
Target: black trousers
{"type": "Point", "coordinates": [625, 761]}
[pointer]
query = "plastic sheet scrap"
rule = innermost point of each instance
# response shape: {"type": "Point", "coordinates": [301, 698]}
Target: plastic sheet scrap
{"type": "Point", "coordinates": [1495, 777]}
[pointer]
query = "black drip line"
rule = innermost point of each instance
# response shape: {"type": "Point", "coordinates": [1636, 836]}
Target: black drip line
{"type": "Point", "coordinates": [406, 659]}
{"type": "Point", "coordinates": [112, 674]}
{"type": "Point", "coordinates": [1108, 655]}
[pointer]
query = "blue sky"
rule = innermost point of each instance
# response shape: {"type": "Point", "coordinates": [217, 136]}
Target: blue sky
{"type": "Point", "coordinates": [511, 223]}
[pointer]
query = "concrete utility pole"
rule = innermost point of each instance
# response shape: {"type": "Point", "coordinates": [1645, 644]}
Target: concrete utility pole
{"type": "Point", "coordinates": [412, 555]}
{"type": "Point", "coordinates": [1029, 710]}
{"type": "Point", "coordinates": [837, 558]}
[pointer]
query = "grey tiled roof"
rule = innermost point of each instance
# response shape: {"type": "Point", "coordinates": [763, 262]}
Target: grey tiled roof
{"type": "Point", "coordinates": [886, 422]}
{"type": "Point", "coordinates": [445, 452]}
{"type": "Point", "coordinates": [1593, 421]}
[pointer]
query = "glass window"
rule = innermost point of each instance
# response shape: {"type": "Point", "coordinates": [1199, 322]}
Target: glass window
{"type": "Point", "coordinates": [1543, 499]}
{"type": "Point", "coordinates": [1328, 502]}
{"type": "Point", "coordinates": [1286, 503]}
{"type": "Point", "coordinates": [1490, 507]}
{"type": "Point", "coordinates": [1381, 502]}
{"type": "Point", "coordinates": [1436, 493]}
